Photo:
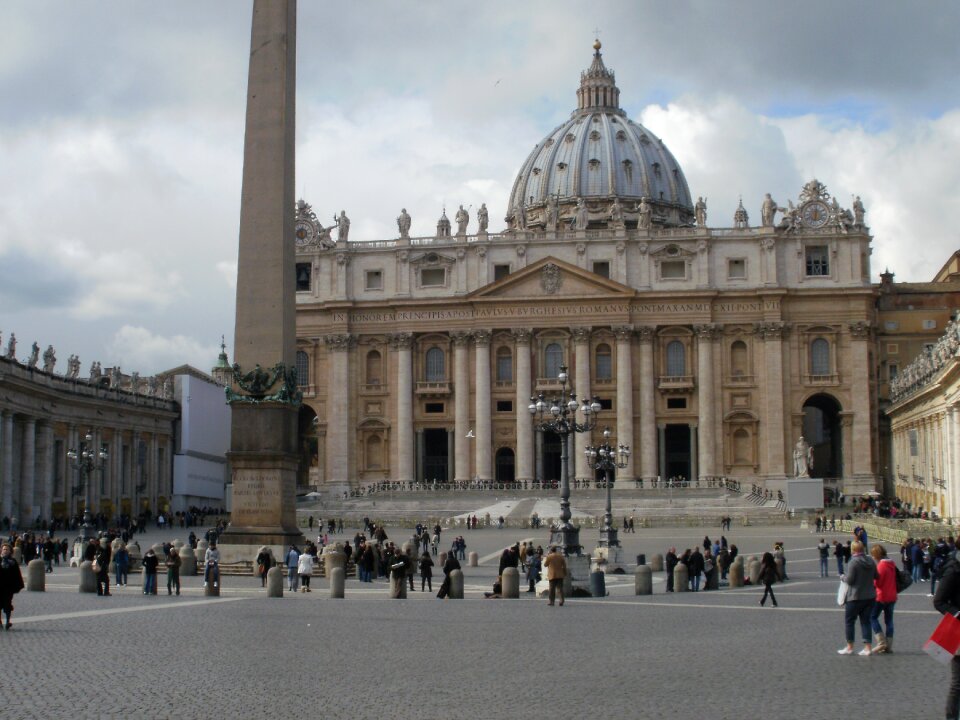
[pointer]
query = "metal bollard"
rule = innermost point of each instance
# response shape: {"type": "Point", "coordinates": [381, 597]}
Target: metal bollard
{"type": "Point", "coordinates": [643, 580]}
{"type": "Point", "coordinates": [36, 575]}
{"type": "Point", "coordinates": [510, 583]}
{"type": "Point", "coordinates": [88, 580]}
{"type": "Point", "coordinates": [337, 576]}
{"type": "Point", "coordinates": [456, 585]}
{"type": "Point", "coordinates": [598, 586]}
{"type": "Point", "coordinates": [275, 582]}
{"type": "Point", "coordinates": [681, 578]}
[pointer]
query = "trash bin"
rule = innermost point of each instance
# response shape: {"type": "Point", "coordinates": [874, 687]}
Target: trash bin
{"type": "Point", "coordinates": [642, 559]}
{"type": "Point", "coordinates": [598, 587]}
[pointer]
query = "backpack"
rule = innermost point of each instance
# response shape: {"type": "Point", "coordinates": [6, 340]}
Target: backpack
{"type": "Point", "coordinates": [904, 580]}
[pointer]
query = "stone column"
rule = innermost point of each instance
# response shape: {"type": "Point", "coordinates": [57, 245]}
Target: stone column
{"type": "Point", "coordinates": [625, 397]}
{"type": "Point", "coordinates": [525, 465]}
{"type": "Point", "coordinates": [649, 466]}
{"type": "Point", "coordinates": [339, 458]}
{"type": "Point", "coordinates": [136, 474]}
{"type": "Point", "coordinates": [772, 334]}
{"type": "Point", "coordinates": [6, 462]}
{"type": "Point", "coordinates": [46, 471]}
{"type": "Point", "coordinates": [484, 430]}
{"type": "Point", "coordinates": [706, 402]}
{"type": "Point", "coordinates": [538, 455]}
{"type": "Point", "coordinates": [862, 466]}
{"type": "Point", "coordinates": [461, 398]}
{"type": "Point", "coordinates": [28, 465]}
{"type": "Point", "coordinates": [581, 344]}
{"type": "Point", "coordinates": [403, 343]}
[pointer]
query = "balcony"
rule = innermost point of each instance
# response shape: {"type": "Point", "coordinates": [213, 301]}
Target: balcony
{"type": "Point", "coordinates": [433, 389]}
{"type": "Point", "coordinates": [739, 378]}
{"type": "Point", "coordinates": [830, 379]}
{"type": "Point", "coordinates": [548, 385]}
{"type": "Point", "coordinates": [675, 383]}
{"type": "Point", "coordinates": [603, 382]}
{"type": "Point", "coordinates": [374, 389]}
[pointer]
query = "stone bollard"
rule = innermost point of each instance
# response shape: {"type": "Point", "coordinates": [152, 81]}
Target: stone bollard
{"type": "Point", "coordinates": [442, 559]}
{"type": "Point", "coordinates": [202, 552]}
{"type": "Point", "coordinates": [510, 583]}
{"type": "Point", "coordinates": [274, 582]}
{"type": "Point", "coordinates": [136, 559]}
{"type": "Point", "coordinates": [474, 559]}
{"type": "Point", "coordinates": [713, 580]}
{"type": "Point", "coordinates": [398, 585]}
{"type": "Point", "coordinates": [334, 557]}
{"type": "Point", "coordinates": [336, 575]}
{"type": "Point", "coordinates": [778, 561]}
{"type": "Point", "coordinates": [753, 570]}
{"type": "Point", "coordinates": [456, 585]}
{"type": "Point", "coordinates": [115, 545]}
{"type": "Point", "coordinates": [681, 578]}
{"type": "Point", "coordinates": [598, 586]}
{"type": "Point", "coordinates": [656, 563]}
{"type": "Point", "coordinates": [213, 589]}
{"type": "Point", "coordinates": [188, 561]}
{"type": "Point", "coordinates": [735, 574]}
{"type": "Point", "coordinates": [158, 551]}
{"type": "Point", "coordinates": [88, 580]}
{"type": "Point", "coordinates": [643, 580]}
{"type": "Point", "coordinates": [178, 543]}
{"type": "Point", "coordinates": [36, 576]}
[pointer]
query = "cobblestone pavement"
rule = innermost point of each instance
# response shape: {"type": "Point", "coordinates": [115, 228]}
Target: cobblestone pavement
{"type": "Point", "coordinates": [707, 654]}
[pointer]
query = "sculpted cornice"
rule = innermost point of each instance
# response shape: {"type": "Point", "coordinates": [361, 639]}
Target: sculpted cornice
{"type": "Point", "coordinates": [645, 333]}
{"type": "Point", "coordinates": [581, 335]}
{"type": "Point", "coordinates": [624, 333]}
{"type": "Point", "coordinates": [481, 338]}
{"type": "Point", "coordinates": [522, 337]}
{"type": "Point", "coordinates": [401, 341]}
{"type": "Point", "coordinates": [340, 342]}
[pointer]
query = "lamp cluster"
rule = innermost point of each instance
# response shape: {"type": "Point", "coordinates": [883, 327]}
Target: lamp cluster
{"type": "Point", "coordinates": [87, 460]}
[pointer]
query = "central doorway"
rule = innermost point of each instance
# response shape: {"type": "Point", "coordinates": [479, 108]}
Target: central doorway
{"type": "Point", "coordinates": [552, 448]}
{"type": "Point", "coordinates": [822, 429]}
{"type": "Point", "coordinates": [436, 461]}
{"type": "Point", "coordinates": [677, 451]}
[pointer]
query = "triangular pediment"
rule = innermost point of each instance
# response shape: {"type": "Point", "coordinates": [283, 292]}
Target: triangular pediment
{"type": "Point", "coordinates": [552, 278]}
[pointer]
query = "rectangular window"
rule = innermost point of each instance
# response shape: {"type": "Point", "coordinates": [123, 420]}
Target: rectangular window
{"type": "Point", "coordinates": [892, 371]}
{"type": "Point", "coordinates": [913, 442]}
{"type": "Point", "coordinates": [504, 368]}
{"type": "Point", "coordinates": [673, 270]}
{"type": "Point", "coordinates": [891, 325]}
{"type": "Point", "coordinates": [606, 404]}
{"type": "Point", "coordinates": [433, 408]}
{"type": "Point", "coordinates": [505, 406]}
{"type": "Point", "coordinates": [736, 269]}
{"type": "Point", "coordinates": [602, 268]}
{"type": "Point", "coordinates": [818, 262]}
{"type": "Point", "coordinates": [929, 324]}
{"type": "Point", "coordinates": [676, 403]}
{"type": "Point", "coordinates": [500, 272]}
{"type": "Point", "coordinates": [303, 277]}
{"type": "Point", "coordinates": [893, 348]}
{"type": "Point", "coordinates": [433, 277]}
{"type": "Point", "coordinates": [374, 280]}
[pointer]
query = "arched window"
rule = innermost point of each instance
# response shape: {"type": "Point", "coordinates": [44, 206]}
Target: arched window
{"type": "Point", "coordinates": [504, 365]}
{"type": "Point", "coordinates": [303, 368]}
{"type": "Point", "coordinates": [553, 359]}
{"type": "Point", "coordinates": [374, 453]}
{"type": "Point", "coordinates": [739, 366]}
{"type": "Point", "coordinates": [436, 365]}
{"type": "Point", "coordinates": [676, 359]}
{"type": "Point", "coordinates": [374, 366]}
{"type": "Point", "coordinates": [819, 357]}
{"type": "Point", "coordinates": [604, 362]}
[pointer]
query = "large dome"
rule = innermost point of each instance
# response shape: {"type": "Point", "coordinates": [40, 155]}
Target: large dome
{"type": "Point", "coordinates": [599, 155]}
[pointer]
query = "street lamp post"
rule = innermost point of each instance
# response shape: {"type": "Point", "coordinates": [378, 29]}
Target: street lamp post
{"type": "Point", "coordinates": [559, 415]}
{"type": "Point", "coordinates": [86, 460]}
{"type": "Point", "coordinates": [606, 457]}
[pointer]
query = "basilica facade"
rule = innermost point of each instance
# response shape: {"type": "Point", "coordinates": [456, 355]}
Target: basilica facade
{"type": "Point", "coordinates": [710, 350]}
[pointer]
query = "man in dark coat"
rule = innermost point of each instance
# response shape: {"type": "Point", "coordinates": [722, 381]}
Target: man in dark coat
{"type": "Point", "coordinates": [670, 561]}
{"type": "Point", "coordinates": [448, 567]}
{"type": "Point", "coordinates": [11, 582]}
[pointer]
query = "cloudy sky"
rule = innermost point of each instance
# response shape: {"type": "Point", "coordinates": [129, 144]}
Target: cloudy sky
{"type": "Point", "coordinates": [121, 134]}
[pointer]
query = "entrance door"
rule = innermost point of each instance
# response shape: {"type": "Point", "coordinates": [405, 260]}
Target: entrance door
{"type": "Point", "coordinates": [435, 459]}
{"type": "Point", "coordinates": [821, 428]}
{"type": "Point", "coordinates": [677, 441]}
{"type": "Point", "coordinates": [552, 447]}
{"type": "Point", "coordinates": [505, 469]}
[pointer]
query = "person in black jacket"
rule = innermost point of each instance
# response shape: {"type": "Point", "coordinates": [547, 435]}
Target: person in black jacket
{"type": "Point", "coordinates": [426, 571]}
{"type": "Point", "coordinates": [768, 576]}
{"type": "Point", "coordinates": [695, 564]}
{"type": "Point", "coordinates": [670, 561]}
{"type": "Point", "coordinates": [11, 582]}
{"type": "Point", "coordinates": [103, 563]}
{"type": "Point", "coordinates": [947, 600]}
{"type": "Point", "coordinates": [448, 567]}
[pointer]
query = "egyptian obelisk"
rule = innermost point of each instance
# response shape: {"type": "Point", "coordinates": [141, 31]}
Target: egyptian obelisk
{"type": "Point", "coordinates": [264, 398]}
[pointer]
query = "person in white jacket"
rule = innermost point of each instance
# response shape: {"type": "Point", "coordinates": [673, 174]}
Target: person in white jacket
{"type": "Point", "coordinates": [305, 570]}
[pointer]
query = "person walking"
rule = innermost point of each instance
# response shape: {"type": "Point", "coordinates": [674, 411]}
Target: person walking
{"type": "Point", "coordinates": [556, 566]}
{"type": "Point", "coordinates": [768, 576]}
{"type": "Point", "coordinates": [886, 586]}
{"type": "Point", "coordinates": [173, 571]}
{"type": "Point", "coordinates": [11, 582]}
{"type": "Point", "coordinates": [947, 600]}
{"type": "Point", "coordinates": [293, 559]}
{"type": "Point", "coordinates": [859, 599]}
{"type": "Point", "coordinates": [263, 565]}
{"type": "Point", "coordinates": [695, 565]}
{"type": "Point", "coordinates": [824, 551]}
{"type": "Point", "coordinates": [426, 571]}
{"type": "Point", "coordinates": [121, 562]}
{"type": "Point", "coordinates": [102, 563]}
{"type": "Point", "coordinates": [534, 565]}
{"type": "Point", "coordinates": [305, 571]}
{"type": "Point", "coordinates": [150, 563]}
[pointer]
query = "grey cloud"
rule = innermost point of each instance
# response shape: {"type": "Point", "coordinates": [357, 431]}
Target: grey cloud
{"type": "Point", "coordinates": [32, 283]}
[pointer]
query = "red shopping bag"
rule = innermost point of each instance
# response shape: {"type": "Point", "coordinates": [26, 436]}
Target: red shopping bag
{"type": "Point", "coordinates": [945, 640]}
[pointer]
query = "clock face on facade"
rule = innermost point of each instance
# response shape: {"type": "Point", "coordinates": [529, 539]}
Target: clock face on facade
{"type": "Point", "coordinates": [815, 214]}
{"type": "Point", "coordinates": [302, 233]}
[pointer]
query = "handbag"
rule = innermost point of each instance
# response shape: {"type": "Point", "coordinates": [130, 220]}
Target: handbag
{"type": "Point", "coordinates": [945, 640]}
{"type": "Point", "coordinates": [842, 593]}
{"type": "Point", "coordinates": [904, 580]}
{"type": "Point", "coordinates": [95, 566]}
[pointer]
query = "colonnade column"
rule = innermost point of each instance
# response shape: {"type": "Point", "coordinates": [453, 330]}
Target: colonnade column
{"type": "Point", "coordinates": [46, 471]}
{"type": "Point", "coordinates": [772, 334]}
{"type": "Point", "coordinates": [116, 463]}
{"type": "Point", "coordinates": [6, 462]}
{"type": "Point", "coordinates": [28, 464]}
{"type": "Point", "coordinates": [650, 468]}
{"type": "Point", "coordinates": [461, 407]}
{"type": "Point", "coordinates": [951, 475]}
{"type": "Point", "coordinates": [625, 396]}
{"type": "Point", "coordinates": [403, 344]}
{"type": "Point", "coordinates": [484, 439]}
{"type": "Point", "coordinates": [706, 404]}
{"type": "Point", "coordinates": [340, 461]}
{"type": "Point", "coordinates": [581, 385]}
{"type": "Point", "coordinates": [524, 468]}
{"type": "Point", "coordinates": [860, 333]}
{"type": "Point", "coordinates": [154, 472]}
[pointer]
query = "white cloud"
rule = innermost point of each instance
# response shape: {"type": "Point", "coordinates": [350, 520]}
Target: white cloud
{"type": "Point", "coordinates": [228, 269]}
{"type": "Point", "coordinates": [137, 348]}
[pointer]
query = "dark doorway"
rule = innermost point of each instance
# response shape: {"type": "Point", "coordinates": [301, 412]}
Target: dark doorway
{"type": "Point", "coordinates": [677, 440]}
{"type": "Point", "coordinates": [505, 465]}
{"type": "Point", "coordinates": [435, 458]}
{"type": "Point", "coordinates": [552, 447]}
{"type": "Point", "coordinates": [821, 428]}
{"type": "Point", "coordinates": [306, 445]}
